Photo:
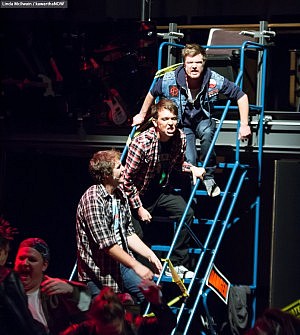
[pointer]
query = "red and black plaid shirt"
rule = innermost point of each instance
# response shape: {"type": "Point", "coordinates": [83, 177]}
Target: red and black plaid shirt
{"type": "Point", "coordinates": [95, 232]}
{"type": "Point", "coordinates": [143, 159]}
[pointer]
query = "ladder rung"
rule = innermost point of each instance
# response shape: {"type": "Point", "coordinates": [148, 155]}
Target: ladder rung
{"type": "Point", "coordinates": [168, 279]}
{"type": "Point", "coordinates": [166, 219]}
{"type": "Point", "coordinates": [228, 165]}
{"type": "Point", "coordinates": [203, 192]}
{"type": "Point", "coordinates": [206, 221]}
{"type": "Point", "coordinates": [167, 248]}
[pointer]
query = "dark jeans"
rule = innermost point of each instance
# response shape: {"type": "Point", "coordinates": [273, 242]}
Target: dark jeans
{"type": "Point", "coordinates": [131, 281]}
{"type": "Point", "coordinates": [170, 205]}
{"type": "Point", "coordinates": [205, 131]}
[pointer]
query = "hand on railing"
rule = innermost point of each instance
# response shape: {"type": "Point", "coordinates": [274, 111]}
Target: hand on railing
{"type": "Point", "coordinates": [244, 132]}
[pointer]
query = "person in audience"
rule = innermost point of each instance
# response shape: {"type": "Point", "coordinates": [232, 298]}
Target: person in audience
{"type": "Point", "coordinates": [108, 316]}
{"type": "Point", "coordinates": [105, 235]}
{"type": "Point", "coordinates": [15, 317]}
{"type": "Point", "coordinates": [275, 322]}
{"type": "Point", "coordinates": [54, 302]}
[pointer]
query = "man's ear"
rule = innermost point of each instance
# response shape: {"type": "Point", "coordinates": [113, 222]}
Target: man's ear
{"type": "Point", "coordinates": [45, 266]}
{"type": "Point", "coordinates": [3, 255]}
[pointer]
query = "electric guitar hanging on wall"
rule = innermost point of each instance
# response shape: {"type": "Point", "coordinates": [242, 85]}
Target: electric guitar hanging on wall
{"type": "Point", "coordinates": [117, 113]}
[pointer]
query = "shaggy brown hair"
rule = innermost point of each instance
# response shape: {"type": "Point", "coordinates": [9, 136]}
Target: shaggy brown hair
{"type": "Point", "coordinates": [164, 104]}
{"type": "Point", "coordinates": [102, 164]}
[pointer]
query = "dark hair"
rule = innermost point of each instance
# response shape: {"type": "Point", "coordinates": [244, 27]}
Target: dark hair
{"type": "Point", "coordinates": [38, 244]}
{"type": "Point", "coordinates": [193, 50]}
{"type": "Point", "coordinates": [107, 308]}
{"type": "Point", "coordinates": [7, 232]}
{"type": "Point", "coordinates": [102, 164]}
{"type": "Point", "coordinates": [164, 104]}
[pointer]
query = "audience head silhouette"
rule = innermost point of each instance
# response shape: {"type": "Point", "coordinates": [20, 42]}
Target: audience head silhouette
{"type": "Point", "coordinates": [107, 312]}
{"type": "Point", "coordinates": [275, 322]}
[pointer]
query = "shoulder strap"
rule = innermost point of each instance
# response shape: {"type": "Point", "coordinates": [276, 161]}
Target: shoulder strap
{"type": "Point", "coordinates": [161, 72]}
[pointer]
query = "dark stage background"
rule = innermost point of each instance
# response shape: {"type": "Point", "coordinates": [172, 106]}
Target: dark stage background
{"type": "Point", "coordinates": [40, 188]}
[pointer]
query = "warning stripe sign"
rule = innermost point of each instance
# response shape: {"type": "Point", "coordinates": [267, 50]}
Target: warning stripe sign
{"type": "Point", "coordinates": [218, 283]}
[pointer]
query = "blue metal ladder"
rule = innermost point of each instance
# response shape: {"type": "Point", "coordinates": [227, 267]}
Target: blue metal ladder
{"type": "Point", "coordinates": [222, 220]}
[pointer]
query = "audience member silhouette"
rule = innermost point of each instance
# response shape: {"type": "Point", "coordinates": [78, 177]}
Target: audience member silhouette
{"type": "Point", "coordinates": [54, 302]}
{"type": "Point", "coordinates": [275, 322]}
{"type": "Point", "coordinates": [15, 317]}
{"type": "Point", "coordinates": [108, 316]}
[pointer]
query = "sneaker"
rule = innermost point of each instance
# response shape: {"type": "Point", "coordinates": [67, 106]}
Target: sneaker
{"type": "Point", "coordinates": [182, 272]}
{"type": "Point", "coordinates": [211, 187]}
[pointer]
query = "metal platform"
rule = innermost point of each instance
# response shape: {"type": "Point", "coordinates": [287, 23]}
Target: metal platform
{"type": "Point", "coordinates": [281, 135]}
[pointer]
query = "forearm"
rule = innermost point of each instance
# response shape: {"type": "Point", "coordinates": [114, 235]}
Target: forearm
{"type": "Point", "coordinates": [146, 105]}
{"type": "Point", "coordinates": [124, 258]}
{"type": "Point", "coordinates": [138, 246]}
{"type": "Point", "coordinates": [132, 195]}
{"type": "Point", "coordinates": [132, 169]}
{"type": "Point", "coordinates": [121, 256]}
{"type": "Point", "coordinates": [243, 105]}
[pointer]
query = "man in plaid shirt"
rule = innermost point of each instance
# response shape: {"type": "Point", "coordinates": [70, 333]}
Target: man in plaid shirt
{"type": "Point", "coordinates": [153, 158]}
{"type": "Point", "coordinates": [105, 234]}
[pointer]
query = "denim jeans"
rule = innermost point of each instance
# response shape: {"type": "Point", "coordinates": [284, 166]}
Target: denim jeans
{"type": "Point", "coordinates": [130, 281]}
{"type": "Point", "coordinates": [205, 131]}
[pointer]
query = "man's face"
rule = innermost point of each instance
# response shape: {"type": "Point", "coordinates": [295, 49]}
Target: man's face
{"type": "Point", "coordinates": [118, 173]}
{"type": "Point", "coordinates": [194, 66]}
{"type": "Point", "coordinates": [30, 265]}
{"type": "Point", "coordinates": [165, 124]}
